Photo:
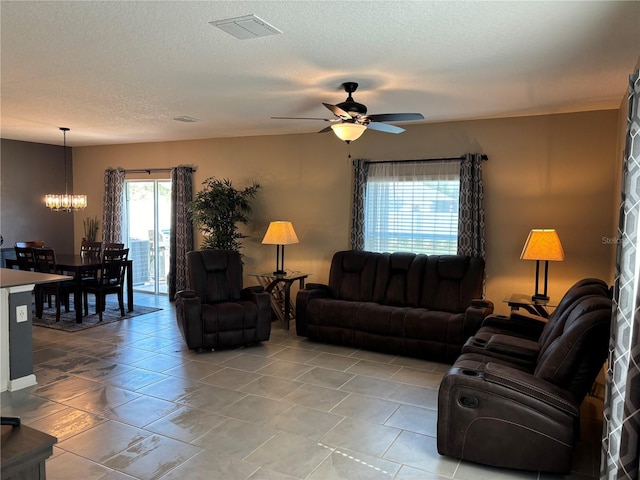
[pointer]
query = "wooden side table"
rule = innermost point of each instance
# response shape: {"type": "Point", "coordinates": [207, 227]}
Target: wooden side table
{"type": "Point", "coordinates": [535, 307]}
{"type": "Point", "coordinates": [279, 286]}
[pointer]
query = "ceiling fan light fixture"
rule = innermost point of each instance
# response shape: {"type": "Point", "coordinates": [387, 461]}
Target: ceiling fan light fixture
{"type": "Point", "coordinates": [348, 131]}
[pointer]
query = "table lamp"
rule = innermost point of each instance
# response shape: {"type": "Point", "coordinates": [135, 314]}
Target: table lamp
{"type": "Point", "coordinates": [280, 234]}
{"type": "Point", "coordinates": [542, 245]}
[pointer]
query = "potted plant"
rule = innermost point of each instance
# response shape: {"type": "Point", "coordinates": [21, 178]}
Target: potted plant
{"type": "Point", "coordinates": [91, 226]}
{"type": "Point", "coordinates": [218, 209]}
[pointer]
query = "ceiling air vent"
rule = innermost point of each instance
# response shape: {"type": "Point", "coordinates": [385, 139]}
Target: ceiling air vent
{"type": "Point", "coordinates": [247, 26]}
{"type": "Point", "coordinates": [185, 119]}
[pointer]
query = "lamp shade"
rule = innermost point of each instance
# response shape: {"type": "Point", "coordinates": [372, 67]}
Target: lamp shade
{"type": "Point", "coordinates": [280, 233]}
{"type": "Point", "coordinates": [348, 131]}
{"type": "Point", "coordinates": [543, 245]}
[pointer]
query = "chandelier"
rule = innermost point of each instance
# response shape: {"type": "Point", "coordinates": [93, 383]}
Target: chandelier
{"type": "Point", "coordinates": [67, 202]}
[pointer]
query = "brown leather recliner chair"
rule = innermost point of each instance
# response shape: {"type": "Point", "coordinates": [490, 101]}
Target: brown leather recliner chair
{"type": "Point", "coordinates": [506, 414]}
{"type": "Point", "coordinates": [218, 312]}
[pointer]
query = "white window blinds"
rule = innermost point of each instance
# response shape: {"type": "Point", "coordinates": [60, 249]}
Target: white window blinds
{"type": "Point", "coordinates": [412, 207]}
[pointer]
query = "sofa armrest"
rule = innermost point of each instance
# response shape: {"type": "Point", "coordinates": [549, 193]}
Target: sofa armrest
{"type": "Point", "coordinates": [475, 314]}
{"type": "Point", "coordinates": [512, 383]}
{"type": "Point", "coordinates": [247, 292]}
{"type": "Point", "coordinates": [481, 302]}
{"type": "Point", "coordinates": [528, 384]}
{"type": "Point", "coordinates": [310, 291]}
{"type": "Point", "coordinates": [262, 299]}
{"type": "Point", "coordinates": [517, 347]}
{"type": "Point", "coordinates": [317, 286]}
{"type": "Point", "coordinates": [518, 323]}
{"type": "Point", "coordinates": [189, 317]}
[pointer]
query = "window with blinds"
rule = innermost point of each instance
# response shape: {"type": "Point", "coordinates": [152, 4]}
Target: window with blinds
{"type": "Point", "coordinates": [412, 207]}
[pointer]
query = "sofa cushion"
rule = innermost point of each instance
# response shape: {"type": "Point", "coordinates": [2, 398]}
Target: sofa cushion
{"type": "Point", "coordinates": [399, 279]}
{"type": "Point", "coordinates": [451, 282]}
{"type": "Point", "coordinates": [352, 275]}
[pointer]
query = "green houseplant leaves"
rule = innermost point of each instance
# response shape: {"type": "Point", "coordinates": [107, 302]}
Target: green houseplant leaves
{"type": "Point", "coordinates": [218, 209]}
{"type": "Point", "coordinates": [91, 226]}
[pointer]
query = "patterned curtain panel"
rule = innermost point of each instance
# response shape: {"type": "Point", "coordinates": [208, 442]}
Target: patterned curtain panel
{"type": "Point", "coordinates": [360, 169]}
{"type": "Point", "coordinates": [181, 237]}
{"type": "Point", "coordinates": [620, 457]}
{"type": "Point", "coordinates": [471, 239]}
{"type": "Point", "coordinates": [112, 212]}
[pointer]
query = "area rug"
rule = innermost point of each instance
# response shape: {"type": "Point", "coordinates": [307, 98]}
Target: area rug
{"type": "Point", "coordinates": [68, 320]}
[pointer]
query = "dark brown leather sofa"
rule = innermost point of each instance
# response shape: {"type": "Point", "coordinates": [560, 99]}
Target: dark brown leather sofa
{"type": "Point", "coordinates": [512, 399]}
{"type": "Point", "coordinates": [399, 303]}
{"type": "Point", "coordinates": [218, 312]}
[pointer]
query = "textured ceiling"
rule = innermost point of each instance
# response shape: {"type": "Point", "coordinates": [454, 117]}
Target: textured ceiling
{"type": "Point", "coordinates": [120, 71]}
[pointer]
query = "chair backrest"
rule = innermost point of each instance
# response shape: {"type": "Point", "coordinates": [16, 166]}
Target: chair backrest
{"type": "Point", "coordinates": [113, 268]}
{"type": "Point", "coordinates": [44, 260]}
{"type": "Point", "coordinates": [92, 249]}
{"type": "Point", "coordinates": [215, 275]}
{"type": "Point", "coordinates": [574, 358]}
{"type": "Point", "coordinates": [113, 246]}
{"type": "Point", "coordinates": [24, 256]}
{"type": "Point", "coordinates": [451, 282]}
{"type": "Point", "coordinates": [353, 275]}
{"type": "Point", "coordinates": [570, 300]}
{"type": "Point", "coordinates": [30, 244]}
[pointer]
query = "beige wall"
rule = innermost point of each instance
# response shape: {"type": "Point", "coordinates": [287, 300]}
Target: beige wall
{"type": "Point", "coordinates": [552, 171]}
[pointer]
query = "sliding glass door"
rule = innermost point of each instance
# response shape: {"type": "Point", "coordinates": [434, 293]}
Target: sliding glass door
{"type": "Point", "coordinates": [148, 211]}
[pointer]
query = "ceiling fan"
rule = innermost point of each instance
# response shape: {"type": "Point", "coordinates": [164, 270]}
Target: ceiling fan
{"type": "Point", "coordinates": [351, 119]}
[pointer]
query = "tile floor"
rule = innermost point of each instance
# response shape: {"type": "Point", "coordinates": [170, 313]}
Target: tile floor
{"type": "Point", "coordinates": [128, 401]}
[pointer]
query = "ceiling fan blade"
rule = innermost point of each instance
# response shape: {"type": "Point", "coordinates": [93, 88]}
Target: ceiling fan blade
{"type": "Point", "coordinates": [324, 130]}
{"type": "Point", "coordinates": [384, 127]}
{"type": "Point", "coordinates": [337, 111]}
{"type": "Point", "coordinates": [303, 118]}
{"type": "Point", "coordinates": [395, 117]}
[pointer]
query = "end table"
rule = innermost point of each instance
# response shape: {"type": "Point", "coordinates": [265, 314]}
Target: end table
{"type": "Point", "coordinates": [535, 307]}
{"type": "Point", "coordinates": [279, 286]}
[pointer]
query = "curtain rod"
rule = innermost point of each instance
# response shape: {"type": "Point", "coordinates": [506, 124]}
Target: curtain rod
{"type": "Point", "coordinates": [445, 159]}
{"type": "Point", "coordinates": [151, 170]}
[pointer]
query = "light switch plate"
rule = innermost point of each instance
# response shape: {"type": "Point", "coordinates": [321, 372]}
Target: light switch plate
{"type": "Point", "coordinates": [21, 313]}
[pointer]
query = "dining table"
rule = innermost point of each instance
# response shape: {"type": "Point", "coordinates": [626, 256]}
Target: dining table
{"type": "Point", "coordinates": [78, 266]}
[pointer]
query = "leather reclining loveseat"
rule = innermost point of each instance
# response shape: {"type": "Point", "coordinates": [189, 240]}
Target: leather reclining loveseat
{"type": "Point", "coordinates": [399, 303]}
{"type": "Point", "coordinates": [512, 399]}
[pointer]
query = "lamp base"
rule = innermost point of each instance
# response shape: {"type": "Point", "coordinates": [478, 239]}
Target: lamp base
{"type": "Point", "coordinates": [538, 297]}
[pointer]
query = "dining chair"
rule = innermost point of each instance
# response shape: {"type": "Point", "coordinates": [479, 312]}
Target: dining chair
{"type": "Point", "coordinates": [44, 261]}
{"type": "Point", "coordinates": [91, 248]}
{"type": "Point", "coordinates": [109, 280]}
{"type": "Point", "coordinates": [113, 246]}
{"type": "Point", "coordinates": [24, 257]}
